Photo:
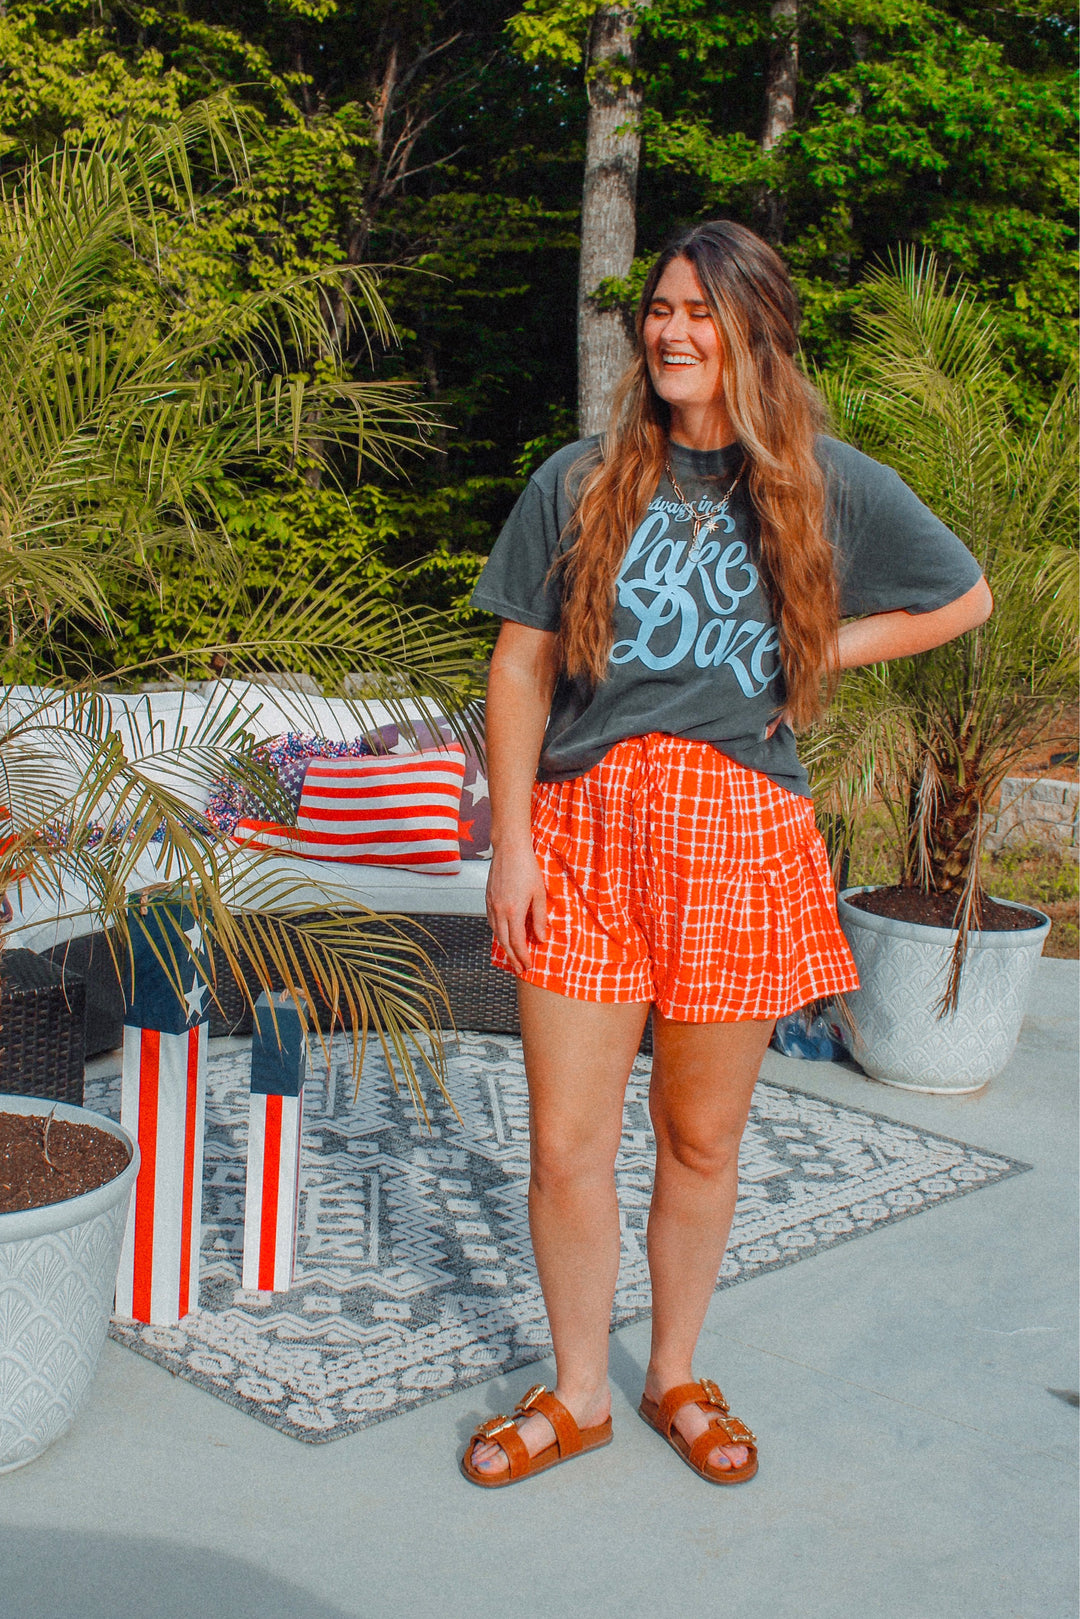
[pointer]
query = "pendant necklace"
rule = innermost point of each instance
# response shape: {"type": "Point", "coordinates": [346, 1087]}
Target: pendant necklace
{"type": "Point", "coordinates": [702, 526]}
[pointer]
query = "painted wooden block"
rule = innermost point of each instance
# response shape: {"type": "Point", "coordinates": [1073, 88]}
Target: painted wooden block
{"type": "Point", "coordinates": [278, 1069]}
{"type": "Point", "coordinates": [162, 1103]}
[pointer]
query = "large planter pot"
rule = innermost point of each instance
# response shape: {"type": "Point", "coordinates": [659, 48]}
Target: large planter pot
{"type": "Point", "coordinates": [903, 969]}
{"type": "Point", "coordinates": [57, 1278]}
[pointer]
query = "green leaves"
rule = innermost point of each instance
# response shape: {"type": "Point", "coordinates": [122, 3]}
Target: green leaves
{"type": "Point", "coordinates": [125, 414]}
{"type": "Point", "coordinates": [943, 124]}
{"type": "Point", "coordinates": [553, 30]}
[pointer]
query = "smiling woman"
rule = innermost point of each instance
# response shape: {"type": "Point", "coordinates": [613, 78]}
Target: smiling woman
{"type": "Point", "coordinates": [715, 371]}
{"type": "Point", "coordinates": [685, 358]}
{"type": "Point", "coordinates": [668, 594]}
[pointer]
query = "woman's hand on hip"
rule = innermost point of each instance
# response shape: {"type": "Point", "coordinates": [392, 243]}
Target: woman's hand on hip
{"type": "Point", "coordinates": [516, 896]}
{"type": "Point", "coordinates": [783, 718]}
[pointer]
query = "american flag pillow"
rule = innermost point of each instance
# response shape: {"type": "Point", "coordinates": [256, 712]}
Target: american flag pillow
{"type": "Point", "coordinates": [475, 802]}
{"type": "Point", "coordinates": [389, 810]}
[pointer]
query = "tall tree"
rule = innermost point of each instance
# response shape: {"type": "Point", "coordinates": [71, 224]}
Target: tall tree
{"type": "Point", "coordinates": [781, 81]}
{"type": "Point", "coordinates": [608, 216]}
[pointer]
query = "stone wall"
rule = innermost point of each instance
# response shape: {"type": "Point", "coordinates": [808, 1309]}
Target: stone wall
{"type": "Point", "coordinates": [1043, 811]}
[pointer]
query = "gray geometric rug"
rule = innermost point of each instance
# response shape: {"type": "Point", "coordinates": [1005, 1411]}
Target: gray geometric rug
{"type": "Point", "coordinates": [415, 1273]}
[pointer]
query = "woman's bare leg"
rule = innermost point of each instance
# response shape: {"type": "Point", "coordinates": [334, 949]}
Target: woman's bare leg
{"type": "Point", "coordinates": [703, 1079]}
{"type": "Point", "coordinates": [578, 1056]}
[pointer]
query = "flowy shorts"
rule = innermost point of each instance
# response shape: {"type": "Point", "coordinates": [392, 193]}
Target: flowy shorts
{"type": "Point", "coordinates": [676, 876]}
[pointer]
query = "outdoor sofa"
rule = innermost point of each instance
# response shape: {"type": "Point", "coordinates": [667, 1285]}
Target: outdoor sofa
{"type": "Point", "coordinates": [449, 909]}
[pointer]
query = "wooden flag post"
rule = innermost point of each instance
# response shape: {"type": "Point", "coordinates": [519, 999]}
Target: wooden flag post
{"type": "Point", "coordinates": [278, 1069]}
{"type": "Point", "coordinates": [162, 1104]}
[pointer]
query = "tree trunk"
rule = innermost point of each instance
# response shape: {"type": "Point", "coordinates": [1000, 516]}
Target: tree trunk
{"type": "Point", "coordinates": [860, 46]}
{"type": "Point", "coordinates": [781, 80]}
{"type": "Point", "coordinates": [944, 826]}
{"type": "Point", "coordinates": [612, 145]}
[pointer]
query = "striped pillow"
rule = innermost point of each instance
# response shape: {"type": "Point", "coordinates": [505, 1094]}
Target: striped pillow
{"type": "Point", "coordinates": [389, 810]}
{"type": "Point", "coordinates": [475, 801]}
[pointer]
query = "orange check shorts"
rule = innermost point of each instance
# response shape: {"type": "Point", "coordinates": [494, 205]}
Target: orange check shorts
{"type": "Point", "coordinates": [676, 876]}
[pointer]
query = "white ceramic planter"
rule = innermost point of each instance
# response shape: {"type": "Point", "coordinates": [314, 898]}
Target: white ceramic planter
{"type": "Point", "coordinates": [57, 1279]}
{"type": "Point", "coordinates": [903, 970]}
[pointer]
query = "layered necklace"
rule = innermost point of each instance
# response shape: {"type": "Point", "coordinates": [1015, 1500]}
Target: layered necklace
{"type": "Point", "coordinates": [703, 526]}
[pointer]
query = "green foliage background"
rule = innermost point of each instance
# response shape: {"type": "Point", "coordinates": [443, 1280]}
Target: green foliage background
{"type": "Point", "coordinates": [937, 122]}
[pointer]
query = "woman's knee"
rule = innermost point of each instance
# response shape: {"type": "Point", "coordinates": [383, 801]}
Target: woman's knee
{"type": "Point", "coordinates": [700, 1147]}
{"type": "Point", "coordinates": [564, 1156]}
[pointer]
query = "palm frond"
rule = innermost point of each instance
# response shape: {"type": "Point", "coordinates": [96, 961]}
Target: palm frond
{"type": "Point", "coordinates": [111, 825]}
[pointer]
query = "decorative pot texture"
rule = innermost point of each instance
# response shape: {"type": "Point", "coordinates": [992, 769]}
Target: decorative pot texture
{"type": "Point", "coordinates": [903, 970]}
{"type": "Point", "coordinates": [57, 1278]}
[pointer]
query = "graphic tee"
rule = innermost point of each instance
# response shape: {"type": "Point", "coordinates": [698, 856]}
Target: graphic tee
{"type": "Point", "coordinates": [696, 649]}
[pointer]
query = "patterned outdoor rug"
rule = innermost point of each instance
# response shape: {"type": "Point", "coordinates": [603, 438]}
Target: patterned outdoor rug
{"type": "Point", "coordinates": [415, 1274]}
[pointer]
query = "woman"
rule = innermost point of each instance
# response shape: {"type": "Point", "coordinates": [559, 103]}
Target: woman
{"type": "Point", "coordinates": [672, 601]}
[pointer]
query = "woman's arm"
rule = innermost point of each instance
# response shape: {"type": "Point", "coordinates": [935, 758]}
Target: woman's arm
{"type": "Point", "coordinates": [520, 684]}
{"type": "Point", "coordinates": [899, 635]}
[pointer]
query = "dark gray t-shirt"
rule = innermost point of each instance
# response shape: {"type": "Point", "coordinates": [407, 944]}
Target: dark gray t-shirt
{"type": "Point", "coordinates": [695, 652]}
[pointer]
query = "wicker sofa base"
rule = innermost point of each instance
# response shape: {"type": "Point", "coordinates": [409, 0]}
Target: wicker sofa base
{"type": "Point", "coordinates": [482, 997]}
{"type": "Point", "coordinates": [459, 947]}
{"type": "Point", "coordinates": [42, 1013]}
{"type": "Point", "coordinates": [88, 956]}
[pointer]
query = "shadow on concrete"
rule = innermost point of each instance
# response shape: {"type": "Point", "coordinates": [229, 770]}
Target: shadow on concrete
{"type": "Point", "coordinates": [63, 1574]}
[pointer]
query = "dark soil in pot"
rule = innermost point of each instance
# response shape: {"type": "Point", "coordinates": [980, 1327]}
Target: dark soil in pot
{"type": "Point", "coordinates": [939, 910]}
{"type": "Point", "coordinates": [45, 1160]}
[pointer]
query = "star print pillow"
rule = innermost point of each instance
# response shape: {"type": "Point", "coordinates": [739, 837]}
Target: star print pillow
{"type": "Point", "coordinates": [475, 827]}
{"type": "Point", "coordinates": [288, 756]}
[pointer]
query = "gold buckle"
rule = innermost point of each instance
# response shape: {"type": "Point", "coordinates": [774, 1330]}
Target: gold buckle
{"type": "Point", "coordinates": [493, 1426]}
{"type": "Point", "coordinates": [746, 1437]}
{"type": "Point", "coordinates": [714, 1396]}
{"type": "Point", "coordinates": [530, 1398]}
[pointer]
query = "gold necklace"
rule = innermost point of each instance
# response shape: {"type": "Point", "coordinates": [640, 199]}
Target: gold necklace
{"type": "Point", "coordinates": [702, 526]}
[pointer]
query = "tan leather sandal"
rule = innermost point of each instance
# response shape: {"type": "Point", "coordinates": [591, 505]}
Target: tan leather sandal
{"type": "Point", "coordinates": [723, 1430]}
{"type": "Point", "coordinates": [570, 1440]}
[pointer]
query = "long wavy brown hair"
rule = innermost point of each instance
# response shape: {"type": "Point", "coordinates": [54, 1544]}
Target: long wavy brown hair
{"type": "Point", "coordinates": [776, 414]}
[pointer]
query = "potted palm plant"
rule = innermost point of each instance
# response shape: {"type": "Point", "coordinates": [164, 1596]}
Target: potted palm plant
{"type": "Point", "coordinates": [945, 969]}
{"type": "Point", "coordinates": [124, 415]}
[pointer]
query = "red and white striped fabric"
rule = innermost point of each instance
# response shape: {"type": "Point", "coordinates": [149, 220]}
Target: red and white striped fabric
{"type": "Point", "coordinates": [272, 1193]}
{"type": "Point", "coordinates": [388, 810]}
{"type": "Point", "coordinates": [161, 1104]}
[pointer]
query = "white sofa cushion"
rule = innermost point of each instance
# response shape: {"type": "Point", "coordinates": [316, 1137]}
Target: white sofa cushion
{"type": "Point", "coordinates": [158, 730]}
{"type": "Point", "coordinates": [281, 881]}
{"type": "Point", "coordinates": [43, 920]}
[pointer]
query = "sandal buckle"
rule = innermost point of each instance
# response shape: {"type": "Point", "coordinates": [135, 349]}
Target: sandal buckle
{"type": "Point", "coordinates": [736, 1431]}
{"type": "Point", "coordinates": [493, 1426]}
{"type": "Point", "coordinates": [530, 1397]}
{"type": "Point", "coordinates": [713, 1395]}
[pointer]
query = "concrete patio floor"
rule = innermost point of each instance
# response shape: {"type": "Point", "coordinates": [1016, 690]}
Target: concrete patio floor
{"type": "Point", "coordinates": [908, 1389]}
